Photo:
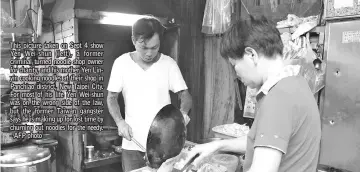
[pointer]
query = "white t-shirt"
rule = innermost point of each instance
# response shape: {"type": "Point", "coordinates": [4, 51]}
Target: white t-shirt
{"type": "Point", "coordinates": [144, 92]}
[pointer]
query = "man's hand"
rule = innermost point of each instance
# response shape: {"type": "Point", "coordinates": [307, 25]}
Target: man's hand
{"type": "Point", "coordinates": [125, 130]}
{"type": "Point", "coordinates": [204, 151]}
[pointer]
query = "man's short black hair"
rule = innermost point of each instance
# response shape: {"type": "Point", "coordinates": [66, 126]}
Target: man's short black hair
{"type": "Point", "coordinates": [259, 34]}
{"type": "Point", "coordinates": [146, 27]}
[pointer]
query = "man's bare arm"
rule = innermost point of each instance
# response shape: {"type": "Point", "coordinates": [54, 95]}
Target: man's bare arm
{"type": "Point", "coordinates": [266, 160]}
{"type": "Point", "coordinates": [185, 101]}
{"type": "Point", "coordinates": [237, 145]}
{"type": "Point", "coordinates": [114, 107]}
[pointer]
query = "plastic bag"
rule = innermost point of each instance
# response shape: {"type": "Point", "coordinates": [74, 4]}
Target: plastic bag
{"type": "Point", "coordinates": [305, 57]}
{"type": "Point", "coordinates": [217, 16]}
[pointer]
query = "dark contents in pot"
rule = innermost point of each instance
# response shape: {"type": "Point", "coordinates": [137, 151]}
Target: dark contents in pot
{"type": "Point", "coordinates": [166, 137]}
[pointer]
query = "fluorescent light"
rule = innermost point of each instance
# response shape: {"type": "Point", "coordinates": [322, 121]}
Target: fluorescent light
{"type": "Point", "coordinates": [122, 19]}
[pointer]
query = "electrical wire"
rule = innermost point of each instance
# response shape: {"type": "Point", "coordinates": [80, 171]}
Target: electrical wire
{"type": "Point", "coordinates": [26, 15]}
{"type": "Point", "coordinates": [22, 21]}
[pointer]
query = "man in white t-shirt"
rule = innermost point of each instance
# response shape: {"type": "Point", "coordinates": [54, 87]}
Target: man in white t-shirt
{"type": "Point", "coordinates": [144, 77]}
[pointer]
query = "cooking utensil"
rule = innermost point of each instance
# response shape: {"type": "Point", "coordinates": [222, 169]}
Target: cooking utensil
{"type": "Point", "coordinates": [136, 142]}
{"type": "Point", "coordinates": [166, 136]}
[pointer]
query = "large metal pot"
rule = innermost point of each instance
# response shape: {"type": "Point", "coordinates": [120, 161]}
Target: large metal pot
{"type": "Point", "coordinates": [25, 159]}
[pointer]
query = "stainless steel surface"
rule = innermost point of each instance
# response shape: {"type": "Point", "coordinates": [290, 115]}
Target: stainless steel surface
{"type": "Point", "coordinates": [25, 159]}
{"type": "Point", "coordinates": [23, 154]}
{"type": "Point", "coordinates": [137, 143]}
{"type": "Point", "coordinates": [341, 112]}
{"type": "Point", "coordinates": [90, 151]}
{"type": "Point", "coordinates": [47, 142]}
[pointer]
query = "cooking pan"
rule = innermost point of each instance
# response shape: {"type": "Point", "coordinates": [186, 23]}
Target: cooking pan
{"type": "Point", "coordinates": [166, 136]}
